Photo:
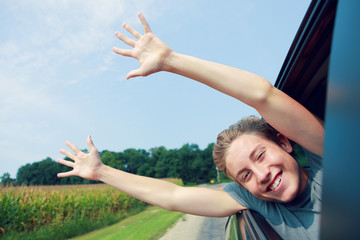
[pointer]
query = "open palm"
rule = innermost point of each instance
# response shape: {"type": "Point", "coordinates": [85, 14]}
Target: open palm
{"type": "Point", "coordinates": [85, 165]}
{"type": "Point", "coordinates": [149, 50]}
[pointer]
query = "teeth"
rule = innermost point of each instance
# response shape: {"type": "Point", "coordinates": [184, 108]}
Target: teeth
{"type": "Point", "coordinates": [276, 183]}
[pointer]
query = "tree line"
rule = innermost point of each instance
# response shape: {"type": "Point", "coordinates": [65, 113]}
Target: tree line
{"type": "Point", "coordinates": [189, 163]}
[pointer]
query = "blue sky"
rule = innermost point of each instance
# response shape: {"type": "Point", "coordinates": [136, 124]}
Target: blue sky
{"type": "Point", "coordinates": [60, 80]}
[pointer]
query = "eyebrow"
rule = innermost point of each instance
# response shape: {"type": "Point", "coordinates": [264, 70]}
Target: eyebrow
{"type": "Point", "coordinates": [252, 154]}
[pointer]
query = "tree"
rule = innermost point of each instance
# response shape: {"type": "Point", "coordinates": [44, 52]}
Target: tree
{"type": "Point", "coordinates": [39, 173]}
{"type": "Point", "coordinates": [209, 167]}
{"type": "Point", "coordinates": [148, 168]}
{"type": "Point", "coordinates": [163, 162]}
{"type": "Point", "coordinates": [133, 159]}
{"type": "Point", "coordinates": [189, 163]}
{"type": "Point", "coordinates": [23, 175]}
{"type": "Point", "coordinates": [112, 159]}
{"type": "Point", "coordinates": [6, 179]}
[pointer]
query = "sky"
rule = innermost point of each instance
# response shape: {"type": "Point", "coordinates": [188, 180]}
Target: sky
{"type": "Point", "coordinates": [60, 80]}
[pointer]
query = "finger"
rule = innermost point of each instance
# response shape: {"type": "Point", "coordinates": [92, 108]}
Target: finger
{"type": "Point", "coordinates": [66, 163]}
{"type": "Point", "coordinates": [75, 149]}
{"type": "Point", "coordinates": [90, 144]}
{"type": "Point", "coordinates": [66, 174]}
{"type": "Point", "coordinates": [123, 52]}
{"type": "Point", "coordinates": [144, 23]}
{"type": "Point", "coordinates": [132, 31]}
{"type": "Point", "coordinates": [68, 154]}
{"type": "Point", "coordinates": [125, 39]}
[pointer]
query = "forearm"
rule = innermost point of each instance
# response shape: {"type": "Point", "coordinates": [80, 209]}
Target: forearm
{"type": "Point", "coordinates": [193, 200]}
{"type": "Point", "coordinates": [242, 85]}
{"type": "Point", "coordinates": [154, 191]}
{"type": "Point", "coordinates": [278, 109]}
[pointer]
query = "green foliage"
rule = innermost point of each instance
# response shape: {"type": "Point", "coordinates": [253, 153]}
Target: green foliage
{"type": "Point", "coordinates": [133, 159]}
{"type": "Point", "coordinates": [112, 159]}
{"type": "Point", "coordinates": [151, 223]}
{"type": "Point", "coordinates": [70, 229]}
{"type": "Point", "coordinates": [189, 163]}
{"type": "Point", "coordinates": [45, 173]}
{"type": "Point", "coordinates": [25, 209]}
{"type": "Point", "coordinates": [6, 180]}
{"type": "Point", "coordinates": [223, 178]}
{"type": "Point", "coordinates": [60, 212]}
{"type": "Point", "coordinates": [300, 155]}
{"type": "Point", "coordinates": [39, 173]}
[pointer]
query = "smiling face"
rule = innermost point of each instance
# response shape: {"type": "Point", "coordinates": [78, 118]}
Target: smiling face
{"type": "Point", "coordinates": [264, 168]}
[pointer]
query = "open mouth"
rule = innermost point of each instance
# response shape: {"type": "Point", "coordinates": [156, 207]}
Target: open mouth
{"type": "Point", "coordinates": [275, 183]}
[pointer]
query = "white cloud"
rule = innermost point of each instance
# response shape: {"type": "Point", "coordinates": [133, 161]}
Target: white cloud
{"type": "Point", "coordinates": [47, 47]}
{"type": "Point", "coordinates": [54, 40]}
{"type": "Point", "coordinates": [53, 34]}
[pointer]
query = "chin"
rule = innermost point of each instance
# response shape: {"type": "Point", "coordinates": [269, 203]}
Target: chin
{"type": "Point", "coordinates": [287, 200]}
{"type": "Point", "coordinates": [290, 197]}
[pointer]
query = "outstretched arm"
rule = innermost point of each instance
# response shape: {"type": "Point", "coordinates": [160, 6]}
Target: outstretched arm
{"type": "Point", "coordinates": [281, 111]}
{"type": "Point", "coordinates": [194, 200]}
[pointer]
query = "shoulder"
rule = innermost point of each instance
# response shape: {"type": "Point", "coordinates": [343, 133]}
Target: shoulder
{"type": "Point", "coordinates": [241, 195]}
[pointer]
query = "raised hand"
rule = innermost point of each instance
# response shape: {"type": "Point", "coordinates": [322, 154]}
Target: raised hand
{"type": "Point", "coordinates": [85, 165]}
{"type": "Point", "coordinates": [149, 50]}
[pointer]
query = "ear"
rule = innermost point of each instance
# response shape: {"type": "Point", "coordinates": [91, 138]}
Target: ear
{"type": "Point", "coordinates": [285, 143]}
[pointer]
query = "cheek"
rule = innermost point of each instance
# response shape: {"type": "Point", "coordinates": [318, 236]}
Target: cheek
{"type": "Point", "coordinates": [293, 166]}
{"type": "Point", "coordinates": [253, 188]}
{"type": "Point", "coordinates": [285, 161]}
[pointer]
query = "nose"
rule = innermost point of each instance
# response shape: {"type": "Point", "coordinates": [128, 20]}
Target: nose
{"type": "Point", "coordinates": [262, 174]}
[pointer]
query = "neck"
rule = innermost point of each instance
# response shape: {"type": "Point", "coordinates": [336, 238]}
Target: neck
{"type": "Point", "coordinates": [304, 177]}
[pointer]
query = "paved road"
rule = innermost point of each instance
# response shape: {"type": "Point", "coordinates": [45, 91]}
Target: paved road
{"type": "Point", "coordinates": [197, 228]}
{"type": "Point", "coordinates": [213, 228]}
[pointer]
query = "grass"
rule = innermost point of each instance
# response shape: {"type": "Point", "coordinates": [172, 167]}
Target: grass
{"type": "Point", "coordinates": [63, 212]}
{"type": "Point", "coordinates": [70, 229]}
{"type": "Point", "coordinates": [149, 224]}
{"type": "Point", "coordinates": [28, 209]}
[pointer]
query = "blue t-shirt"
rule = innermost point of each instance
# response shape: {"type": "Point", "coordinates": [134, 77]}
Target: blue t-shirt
{"type": "Point", "coordinates": [298, 219]}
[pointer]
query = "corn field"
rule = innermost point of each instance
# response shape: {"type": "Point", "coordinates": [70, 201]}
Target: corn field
{"type": "Point", "coordinates": [24, 209]}
{"type": "Point", "coordinates": [28, 208]}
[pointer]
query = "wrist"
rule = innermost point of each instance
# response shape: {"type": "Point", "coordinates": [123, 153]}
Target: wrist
{"type": "Point", "coordinates": [169, 63]}
{"type": "Point", "coordinates": [100, 172]}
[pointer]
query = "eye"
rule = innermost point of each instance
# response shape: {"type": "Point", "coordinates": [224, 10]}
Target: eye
{"type": "Point", "coordinates": [260, 156]}
{"type": "Point", "coordinates": [246, 175]}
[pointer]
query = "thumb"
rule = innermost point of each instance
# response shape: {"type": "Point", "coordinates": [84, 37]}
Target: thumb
{"type": "Point", "coordinates": [90, 144]}
{"type": "Point", "coordinates": [134, 73]}
{"type": "Point", "coordinates": [66, 174]}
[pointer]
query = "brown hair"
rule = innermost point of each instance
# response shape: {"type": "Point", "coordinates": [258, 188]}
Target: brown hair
{"type": "Point", "coordinates": [247, 125]}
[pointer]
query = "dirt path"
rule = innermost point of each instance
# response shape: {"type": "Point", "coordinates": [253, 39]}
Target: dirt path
{"type": "Point", "coordinates": [192, 227]}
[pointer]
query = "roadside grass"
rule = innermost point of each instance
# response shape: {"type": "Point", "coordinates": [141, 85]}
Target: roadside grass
{"type": "Point", "coordinates": [149, 224]}
{"type": "Point", "coordinates": [72, 228]}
